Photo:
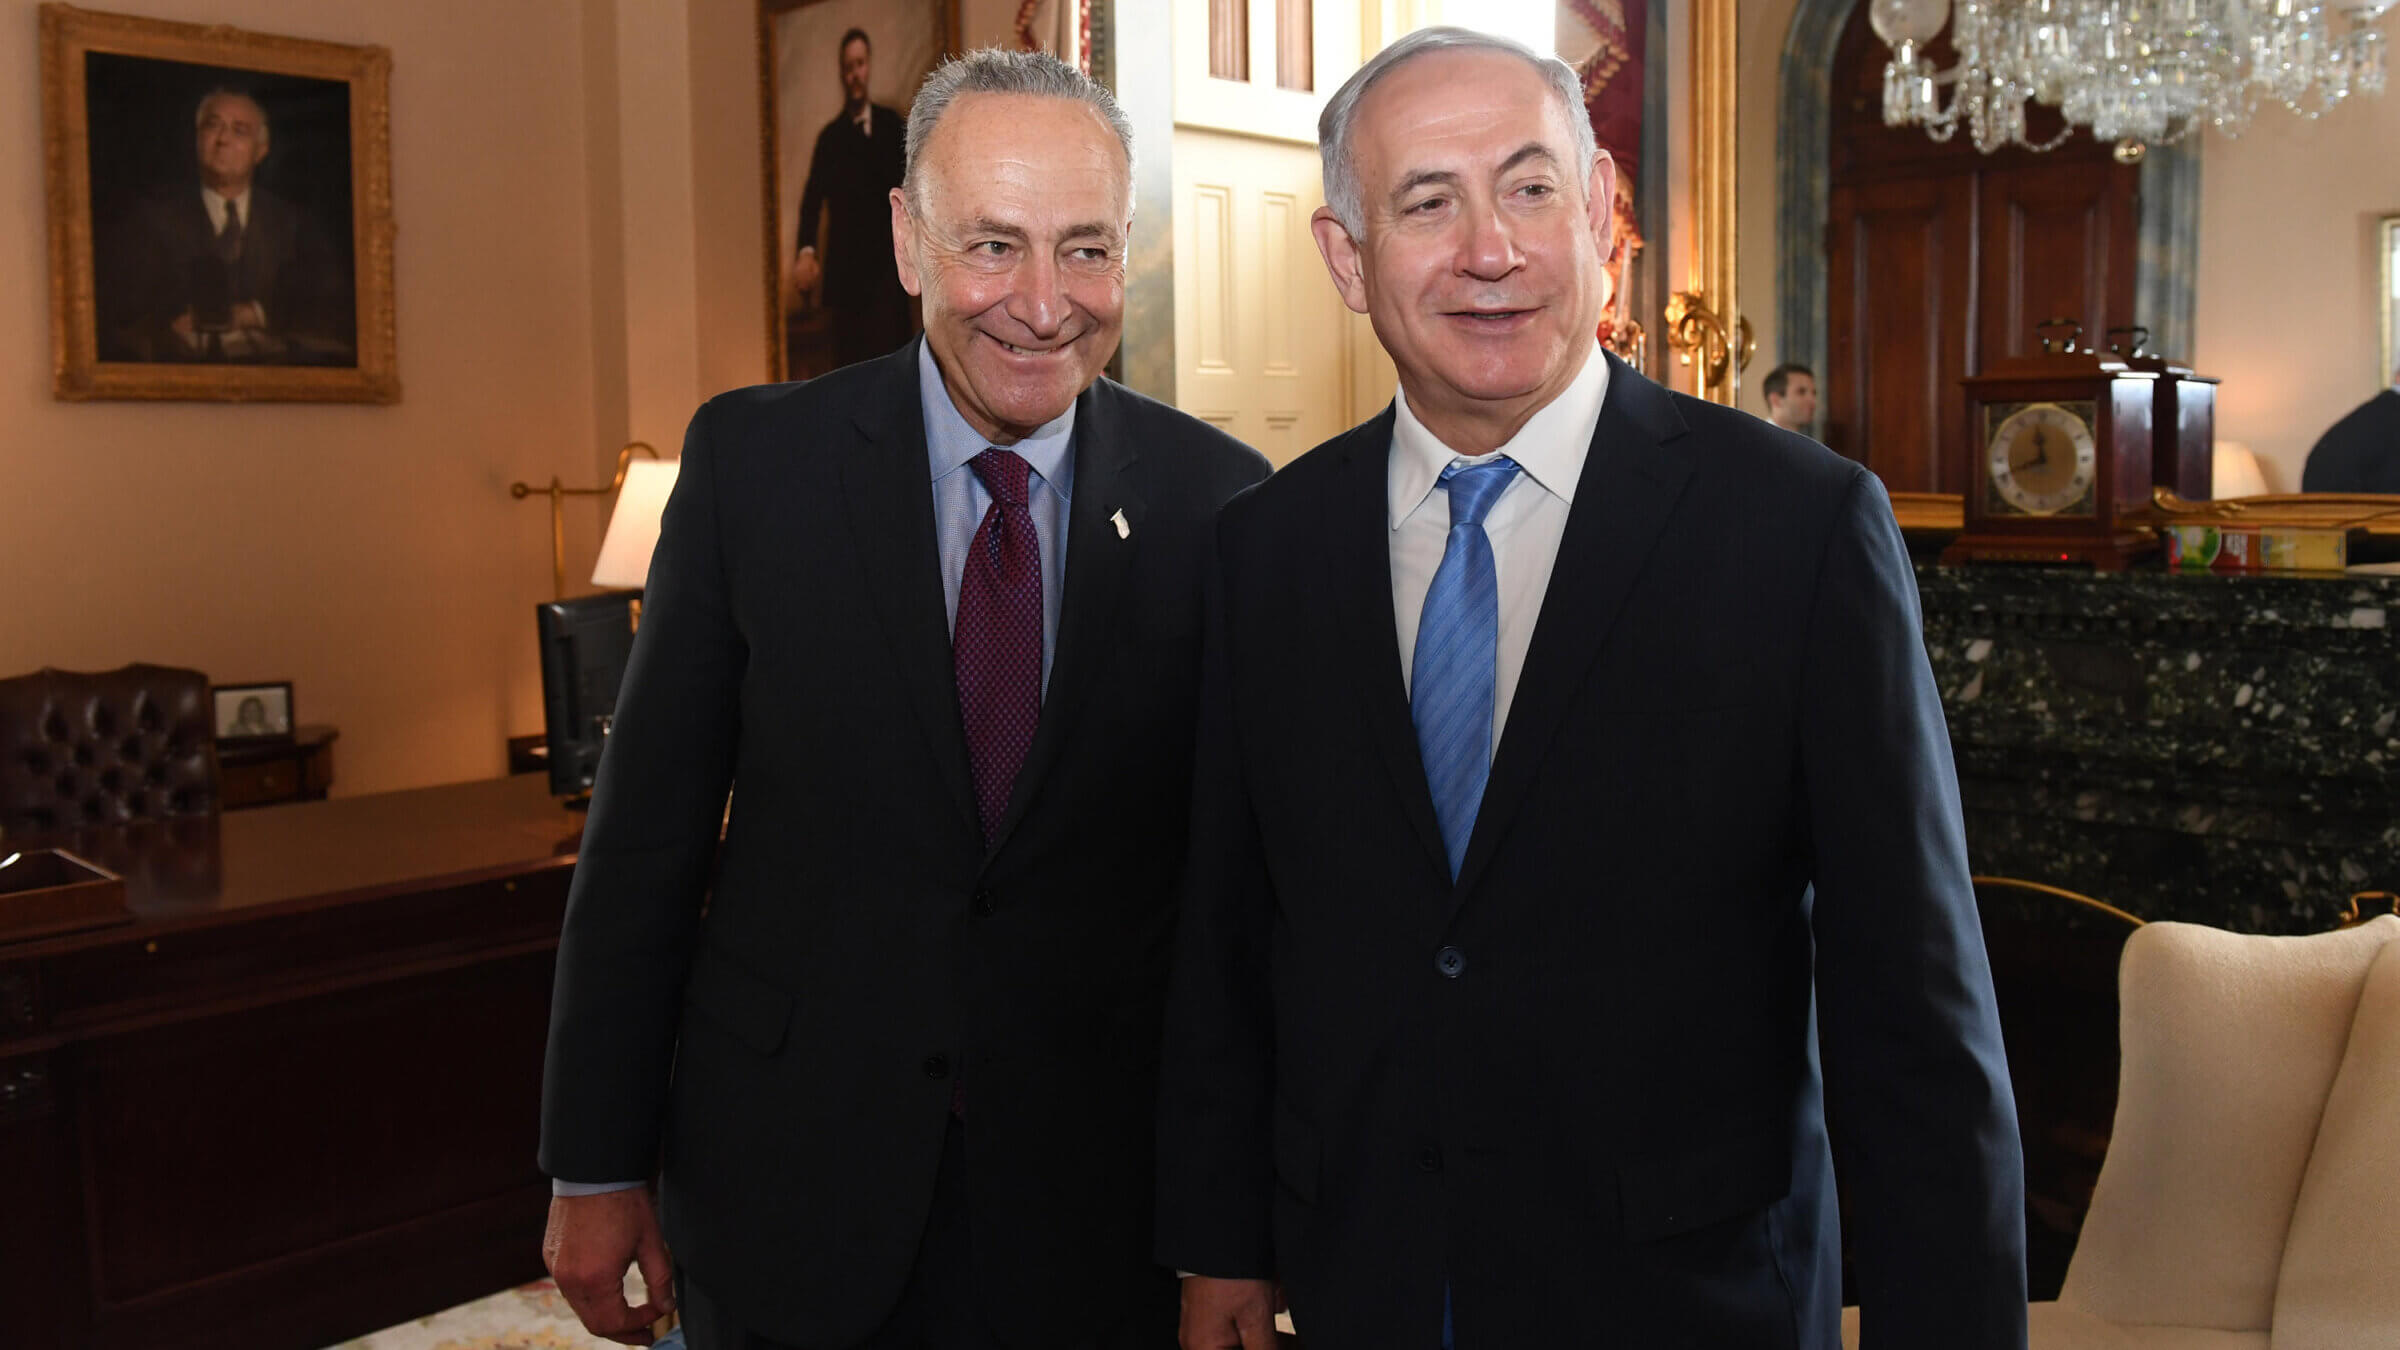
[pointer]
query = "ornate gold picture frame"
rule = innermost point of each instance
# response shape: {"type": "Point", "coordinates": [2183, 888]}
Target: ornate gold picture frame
{"type": "Point", "coordinates": [278, 288]}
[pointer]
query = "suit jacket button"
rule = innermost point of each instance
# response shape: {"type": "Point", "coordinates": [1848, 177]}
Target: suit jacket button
{"type": "Point", "coordinates": [937, 1066]}
{"type": "Point", "coordinates": [982, 904]}
{"type": "Point", "coordinates": [1451, 962]}
{"type": "Point", "coordinates": [1429, 1160]}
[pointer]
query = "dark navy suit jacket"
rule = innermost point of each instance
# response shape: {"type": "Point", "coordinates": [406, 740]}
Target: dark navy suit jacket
{"type": "Point", "coordinates": [1581, 1088]}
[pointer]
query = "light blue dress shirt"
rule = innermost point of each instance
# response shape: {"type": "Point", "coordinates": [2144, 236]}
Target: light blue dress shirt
{"type": "Point", "coordinates": [959, 502]}
{"type": "Point", "coordinates": [960, 499]}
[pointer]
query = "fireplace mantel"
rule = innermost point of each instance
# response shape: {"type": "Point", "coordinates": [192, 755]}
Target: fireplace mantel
{"type": "Point", "coordinates": [2220, 749]}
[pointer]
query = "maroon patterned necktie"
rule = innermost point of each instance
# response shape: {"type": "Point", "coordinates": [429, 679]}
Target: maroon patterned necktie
{"type": "Point", "coordinates": [997, 649]}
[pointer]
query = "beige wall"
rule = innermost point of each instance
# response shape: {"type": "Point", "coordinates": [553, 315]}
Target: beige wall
{"type": "Point", "coordinates": [2287, 313]}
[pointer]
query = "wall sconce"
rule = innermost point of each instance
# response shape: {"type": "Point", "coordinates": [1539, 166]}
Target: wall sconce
{"type": "Point", "coordinates": [559, 492]}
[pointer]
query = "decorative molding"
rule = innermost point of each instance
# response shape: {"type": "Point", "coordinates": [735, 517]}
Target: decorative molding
{"type": "Point", "coordinates": [1212, 280]}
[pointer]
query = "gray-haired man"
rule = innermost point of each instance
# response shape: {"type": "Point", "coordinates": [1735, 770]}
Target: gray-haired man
{"type": "Point", "coordinates": [935, 620]}
{"type": "Point", "coordinates": [1565, 859]}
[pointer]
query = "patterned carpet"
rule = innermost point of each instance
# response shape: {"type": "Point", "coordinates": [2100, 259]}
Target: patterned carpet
{"type": "Point", "coordinates": [534, 1317]}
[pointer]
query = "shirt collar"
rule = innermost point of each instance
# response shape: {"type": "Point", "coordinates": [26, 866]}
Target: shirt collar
{"type": "Point", "coordinates": [215, 202]}
{"type": "Point", "coordinates": [1550, 447]}
{"type": "Point", "coordinates": [950, 442]}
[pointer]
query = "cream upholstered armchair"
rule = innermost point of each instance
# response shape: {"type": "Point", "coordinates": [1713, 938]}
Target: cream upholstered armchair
{"type": "Point", "coordinates": [2249, 1199]}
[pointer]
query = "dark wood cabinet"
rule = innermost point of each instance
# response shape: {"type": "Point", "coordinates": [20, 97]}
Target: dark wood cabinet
{"type": "Point", "coordinates": [296, 1099]}
{"type": "Point", "coordinates": [263, 773]}
{"type": "Point", "coordinates": [1941, 260]}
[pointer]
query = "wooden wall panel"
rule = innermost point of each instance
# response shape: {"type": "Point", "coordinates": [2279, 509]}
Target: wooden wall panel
{"type": "Point", "coordinates": [1902, 277]}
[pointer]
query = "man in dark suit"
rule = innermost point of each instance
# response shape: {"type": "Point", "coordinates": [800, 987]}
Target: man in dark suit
{"type": "Point", "coordinates": [935, 620]}
{"type": "Point", "coordinates": [1509, 948]}
{"type": "Point", "coordinates": [2360, 453]}
{"type": "Point", "coordinates": [858, 161]}
{"type": "Point", "coordinates": [224, 270]}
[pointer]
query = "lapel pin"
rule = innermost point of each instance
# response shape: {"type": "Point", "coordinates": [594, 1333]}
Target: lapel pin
{"type": "Point", "coordinates": [1124, 531]}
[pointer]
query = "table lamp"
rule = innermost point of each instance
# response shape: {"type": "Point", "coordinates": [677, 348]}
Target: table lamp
{"type": "Point", "coordinates": [558, 493]}
{"type": "Point", "coordinates": [633, 527]}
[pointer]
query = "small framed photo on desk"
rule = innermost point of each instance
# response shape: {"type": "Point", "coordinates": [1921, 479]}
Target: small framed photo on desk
{"type": "Point", "coordinates": [253, 712]}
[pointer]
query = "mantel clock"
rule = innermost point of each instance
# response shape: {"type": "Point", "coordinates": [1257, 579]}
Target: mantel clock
{"type": "Point", "coordinates": [2061, 472]}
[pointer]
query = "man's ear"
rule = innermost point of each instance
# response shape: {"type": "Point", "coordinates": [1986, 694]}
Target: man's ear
{"type": "Point", "coordinates": [1343, 261]}
{"type": "Point", "coordinates": [1602, 203]}
{"type": "Point", "coordinates": [904, 242]}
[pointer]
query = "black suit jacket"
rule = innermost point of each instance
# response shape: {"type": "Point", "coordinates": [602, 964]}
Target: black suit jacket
{"type": "Point", "coordinates": [2360, 453]}
{"type": "Point", "coordinates": [1580, 1088]}
{"type": "Point", "coordinates": [288, 266]}
{"type": "Point", "coordinates": [792, 1050]}
{"type": "Point", "coordinates": [850, 177]}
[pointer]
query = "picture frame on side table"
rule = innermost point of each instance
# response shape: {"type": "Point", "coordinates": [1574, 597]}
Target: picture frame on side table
{"type": "Point", "coordinates": [244, 713]}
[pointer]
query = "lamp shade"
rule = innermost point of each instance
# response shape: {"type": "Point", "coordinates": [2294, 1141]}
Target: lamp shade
{"type": "Point", "coordinates": [2234, 472]}
{"type": "Point", "coordinates": [633, 528]}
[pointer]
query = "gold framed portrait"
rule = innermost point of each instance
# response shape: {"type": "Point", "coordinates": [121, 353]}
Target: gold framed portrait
{"type": "Point", "coordinates": [220, 209]}
{"type": "Point", "coordinates": [835, 79]}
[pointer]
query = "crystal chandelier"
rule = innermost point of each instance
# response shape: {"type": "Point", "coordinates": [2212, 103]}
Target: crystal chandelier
{"type": "Point", "coordinates": [2137, 72]}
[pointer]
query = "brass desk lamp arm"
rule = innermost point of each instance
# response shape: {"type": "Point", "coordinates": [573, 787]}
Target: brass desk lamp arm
{"type": "Point", "coordinates": [558, 493]}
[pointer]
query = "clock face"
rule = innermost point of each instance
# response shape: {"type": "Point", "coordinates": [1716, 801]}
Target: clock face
{"type": "Point", "coordinates": [2040, 458]}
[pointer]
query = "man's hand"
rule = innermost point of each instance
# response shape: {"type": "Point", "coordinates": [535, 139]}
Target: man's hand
{"type": "Point", "coordinates": [590, 1242]}
{"type": "Point", "coordinates": [1227, 1314]}
{"type": "Point", "coordinates": [807, 272]}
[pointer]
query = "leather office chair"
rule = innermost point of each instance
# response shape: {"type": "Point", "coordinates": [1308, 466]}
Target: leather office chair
{"type": "Point", "coordinates": [79, 749]}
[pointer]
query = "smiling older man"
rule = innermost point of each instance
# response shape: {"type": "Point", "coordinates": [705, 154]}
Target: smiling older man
{"type": "Point", "coordinates": [935, 621]}
{"type": "Point", "coordinates": [1570, 772]}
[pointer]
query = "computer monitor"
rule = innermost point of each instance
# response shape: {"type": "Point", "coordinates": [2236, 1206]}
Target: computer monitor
{"type": "Point", "coordinates": [585, 642]}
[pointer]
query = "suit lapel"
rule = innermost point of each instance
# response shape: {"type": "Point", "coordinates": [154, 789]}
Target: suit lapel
{"type": "Point", "coordinates": [889, 497]}
{"type": "Point", "coordinates": [1359, 546]}
{"type": "Point", "coordinates": [1099, 559]}
{"type": "Point", "coordinates": [1631, 480]}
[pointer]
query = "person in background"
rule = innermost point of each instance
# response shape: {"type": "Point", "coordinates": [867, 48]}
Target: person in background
{"type": "Point", "coordinates": [2360, 453]}
{"type": "Point", "coordinates": [1791, 391]}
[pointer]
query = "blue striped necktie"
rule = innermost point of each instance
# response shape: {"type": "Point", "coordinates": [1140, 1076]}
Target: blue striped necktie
{"type": "Point", "coordinates": [1455, 670]}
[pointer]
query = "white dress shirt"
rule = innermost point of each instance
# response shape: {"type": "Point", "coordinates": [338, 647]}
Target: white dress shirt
{"type": "Point", "coordinates": [216, 208]}
{"type": "Point", "coordinates": [1525, 524]}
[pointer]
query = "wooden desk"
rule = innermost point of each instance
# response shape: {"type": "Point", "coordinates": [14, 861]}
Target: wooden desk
{"type": "Point", "coordinates": [295, 1100]}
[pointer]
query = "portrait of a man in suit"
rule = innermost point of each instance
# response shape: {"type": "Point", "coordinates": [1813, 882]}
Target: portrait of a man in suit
{"type": "Point", "coordinates": [1578, 882]}
{"type": "Point", "coordinates": [873, 1053]}
{"type": "Point", "coordinates": [215, 264]}
{"type": "Point", "coordinates": [844, 305]}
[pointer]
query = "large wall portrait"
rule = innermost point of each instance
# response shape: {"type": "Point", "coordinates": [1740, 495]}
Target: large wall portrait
{"type": "Point", "coordinates": [220, 213]}
{"type": "Point", "coordinates": [835, 81]}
